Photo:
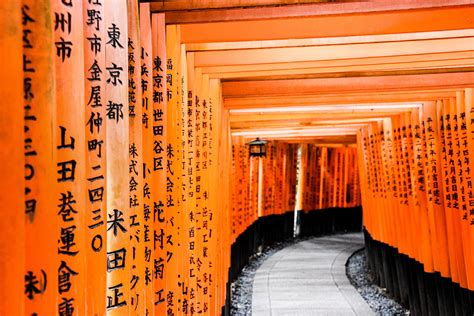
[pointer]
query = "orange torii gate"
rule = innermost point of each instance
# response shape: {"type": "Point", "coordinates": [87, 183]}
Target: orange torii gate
{"type": "Point", "coordinates": [127, 182]}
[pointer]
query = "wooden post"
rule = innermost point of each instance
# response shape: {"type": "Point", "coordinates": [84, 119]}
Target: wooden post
{"type": "Point", "coordinates": [95, 122]}
{"type": "Point", "coordinates": [464, 181]}
{"type": "Point", "coordinates": [160, 160]}
{"type": "Point", "coordinates": [39, 105]}
{"type": "Point", "coordinates": [450, 224]}
{"type": "Point", "coordinates": [119, 252]}
{"type": "Point", "coordinates": [70, 148]}
{"type": "Point", "coordinates": [199, 189]}
{"type": "Point", "coordinates": [209, 213]}
{"type": "Point", "coordinates": [149, 170]}
{"type": "Point", "coordinates": [453, 184]}
{"type": "Point", "coordinates": [190, 171]}
{"type": "Point", "coordinates": [433, 169]}
{"type": "Point", "coordinates": [185, 184]}
{"type": "Point", "coordinates": [138, 120]}
{"type": "Point", "coordinates": [466, 128]}
{"type": "Point", "coordinates": [173, 169]}
{"type": "Point", "coordinates": [12, 161]}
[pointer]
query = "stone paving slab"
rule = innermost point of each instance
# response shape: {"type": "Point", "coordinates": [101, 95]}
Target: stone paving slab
{"type": "Point", "coordinates": [308, 278]}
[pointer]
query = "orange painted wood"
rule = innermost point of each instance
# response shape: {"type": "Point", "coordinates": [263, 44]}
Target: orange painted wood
{"type": "Point", "coordinates": [322, 175]}
{"type": "Point", "coordinates": [468, 109]}
{"type": "Point", "coordinates": [347, 51]}
{"type": "Point", "coordinates": [191, 164]}
{"type": "Point", "coordinates": [149, 171]}
{"type": "Point", "coordinates": [330, 26]}
{"type": "Point", "coordinates": [210, 215]}
{"type": "Point", "coordinates": [12, 199]}
{"type": "Point", "coordinates": [463, 172]}
{"type": "Point", "coordinates": [119, 250]}
{"type": "Point", "coordinates": [95, 122]}
{"type": "Point", "coordinates": [452, 148]}
{"type": "Point", "coordinates": [220, 147]}
{"type": "Point", "coordinates": [173, 188]}
{"type": "Point", "coordinates": [433, 169]}
{"type": "Point", "coordinates": [420, 195]}
{"type": "Point", "coordinates": [413, 209]}
{"type": "Point", "coordinates": [39, 103]}
{"type": "Point", "coordinates": [295, 11]}
{"type": "Point", "coordinates": [199, 189]}
{"type": "Point", "coordinates": [187, 177]}
{"type": "Point", "coordinates": [139, 204]}
{"type": "Point", "coordinates": [362, 163]}
{"type": "Point", "coordinates": [339, 98]}
{"type": "Point", "coordinates": [205, 4]}
{"type": "Point", "coordinates": [208, 211]}
{"type": "Point", "coordinates": [159, 156]}
{"type": "Point", "coordinates": [69, 133]}
{"type": "Point", "coordinates": [454, 254]}
{"type": "Point", "coordinates": [390, 63]}
{"type": "Point", "coordinates": [313, 86]}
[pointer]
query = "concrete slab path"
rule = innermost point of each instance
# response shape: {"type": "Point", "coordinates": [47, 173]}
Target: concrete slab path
{"type": "Point", "coordinates": [309, 278]}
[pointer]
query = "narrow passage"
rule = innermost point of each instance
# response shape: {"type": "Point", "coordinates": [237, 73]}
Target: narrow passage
{"type": "Point", "coordinates": [309, 278]}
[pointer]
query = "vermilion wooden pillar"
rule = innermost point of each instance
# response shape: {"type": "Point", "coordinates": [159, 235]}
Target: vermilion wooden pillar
{"type": "Point", "coordinates": [95, 126]}
{"type": "Point", "coordinates": [456, 184]}
{"type": "Point", "coordinates": [433, 170]}
{"type": "Point", "coordinates": [39, 103]}
{"type": "Point", "coordinates": [149, 172]}
{"type": "Point", "coordinates": [12, 243]}
{"type": "Point", "coordinates": [468, 109]}
{"type": "Point", "coordinates": [208, 212]}
{"type": "Point", "coordinates": [190, 162]}
{"type": "Point", "coordinates": [322, 173]}
{"type": "Point", "coordinates": [453, 256]}
{"type": "Point", "coordinates": [136, 153]}
{"type": "Point", "coordinates": [119, 252]}
{"type": "Point", "coordinates": [70, 149]}
{"type": "Point", "coordinates": [170, 235]}
{"type": "Point", "coordinates": [419, 188]}
{"type": "Point", "coordinates": [160, 160]}
{"type": "Point", "coordinates": [186, 202]}
{"type": "Point", "coordinates": [466, 177]}
{"type": "Point", "coordinates": [219, 224]}
{"type": "Point", "coordinates": [198, 187]}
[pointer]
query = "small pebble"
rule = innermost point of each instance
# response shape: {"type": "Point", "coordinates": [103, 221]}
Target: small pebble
{"type": "Point", "coordinates": [241, 289]}
{"type": "Point", "coordinates": [377, 298]}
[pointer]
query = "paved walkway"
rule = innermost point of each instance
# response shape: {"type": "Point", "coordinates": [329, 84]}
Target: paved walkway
{"type": "Point", "coordinates": [309, 278]}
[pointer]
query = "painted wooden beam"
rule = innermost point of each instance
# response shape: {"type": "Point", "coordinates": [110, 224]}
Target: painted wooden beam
{"type": "Point", "coordinates": [425, 67]}
{"type": "Point", "coordinates": [339, 98]}
{"type": "Point", "coordinates": [237, 13]}
{"type": "Point", "coordinates": [390, 22]}
{"type": "Point", "coordinates": [173, 5]}
{"type": "Point", "coordinates": [314, 86]}
{"type": "Point", "coordinates": [331, 52]}
{"type": "Point", "coordinates": [321, 41]}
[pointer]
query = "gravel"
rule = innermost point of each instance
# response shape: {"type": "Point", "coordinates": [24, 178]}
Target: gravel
{"type": "Point", "coordinates": [241, 289]}
{"type": "Point", "coordinates": [377, 298]}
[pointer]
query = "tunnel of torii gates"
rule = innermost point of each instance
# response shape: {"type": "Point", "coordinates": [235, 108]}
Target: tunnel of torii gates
{"type": "Point", "coordinates": [127, 185]}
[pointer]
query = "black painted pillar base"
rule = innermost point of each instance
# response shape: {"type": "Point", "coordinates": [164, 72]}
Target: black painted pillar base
{"type": "Point", "coordinates": [264, 232]}
{"type": "Point", "coordinates": [406, 281]}
{"type": "Point", "coordinates": [329, 221]}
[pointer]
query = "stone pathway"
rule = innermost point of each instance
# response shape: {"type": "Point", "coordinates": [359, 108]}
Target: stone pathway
{"type": "Point", "coordinates": [309, 278]}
